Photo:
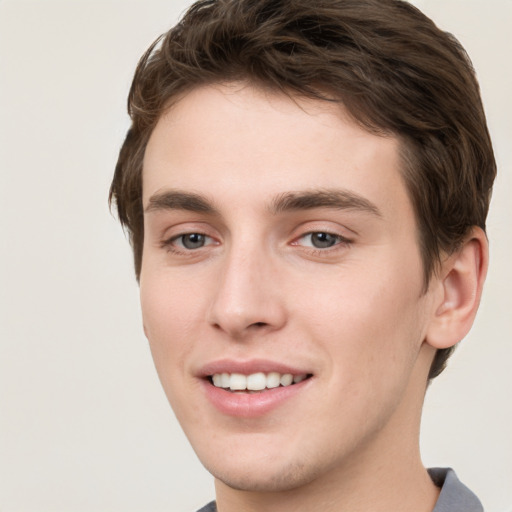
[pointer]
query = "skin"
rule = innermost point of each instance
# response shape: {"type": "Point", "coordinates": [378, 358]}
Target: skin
{"type": "Point", "coordinates": [355, 314]}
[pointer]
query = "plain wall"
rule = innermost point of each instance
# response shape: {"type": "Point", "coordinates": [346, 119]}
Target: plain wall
{"type": "Point", "coordinates": [84, 425]}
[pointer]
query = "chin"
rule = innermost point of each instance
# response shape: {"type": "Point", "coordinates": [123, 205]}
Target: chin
{"type": "Point", "coordinates": [269, 477]}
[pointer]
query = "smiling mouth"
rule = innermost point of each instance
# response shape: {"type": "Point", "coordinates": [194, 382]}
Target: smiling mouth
{"type": "Point", "coordinates": [255, 382]}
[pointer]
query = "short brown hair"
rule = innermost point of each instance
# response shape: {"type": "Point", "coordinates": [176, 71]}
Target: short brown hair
{"type": "Point", "coordinates": [386, 62]}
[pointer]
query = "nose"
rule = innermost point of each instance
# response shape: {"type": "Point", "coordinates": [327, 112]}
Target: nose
{"type": "Point", "coordinates": [248, 298]}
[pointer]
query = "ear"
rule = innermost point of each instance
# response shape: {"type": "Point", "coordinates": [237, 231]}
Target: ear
{"type": "Point", "coordinates": [458, 288]}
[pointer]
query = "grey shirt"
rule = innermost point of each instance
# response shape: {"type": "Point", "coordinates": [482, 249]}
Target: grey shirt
{"type": "Point", "coordinates": [454, 496]}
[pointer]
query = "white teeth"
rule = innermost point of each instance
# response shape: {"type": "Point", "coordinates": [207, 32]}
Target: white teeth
{"type": "Point", "coordinates": [273, 380]}
{"type": "Point", "coordinates": [286, 379]}
{"type": "Point", "coordinates": [237, 382]}
{"type": "Point", "coordinates": [255, 381]}
{"type": "Point", "coordinates": [224, 381]}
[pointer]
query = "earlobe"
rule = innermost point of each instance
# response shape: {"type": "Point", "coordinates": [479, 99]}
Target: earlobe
{"type": "Point", "coordinates": [459, 286]}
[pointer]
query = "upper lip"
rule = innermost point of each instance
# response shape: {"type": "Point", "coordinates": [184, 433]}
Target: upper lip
{"type": "Point", "coordinates": [248, 367]}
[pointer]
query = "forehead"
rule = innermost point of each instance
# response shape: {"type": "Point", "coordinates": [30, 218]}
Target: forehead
{"type": "Point", "coordinates": [238, 141]}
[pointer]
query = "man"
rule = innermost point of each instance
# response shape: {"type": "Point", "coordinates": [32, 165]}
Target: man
{"type": "Point", "coordinates": [305, 185]}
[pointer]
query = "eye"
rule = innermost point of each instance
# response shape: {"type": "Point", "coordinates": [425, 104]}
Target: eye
{"type": "Point", "coordinates": [321, 240]}
{"type": "Point", "coordinates": [191, 241]}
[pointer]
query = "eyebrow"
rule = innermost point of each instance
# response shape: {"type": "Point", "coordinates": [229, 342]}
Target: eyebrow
{"type": "Point", "coordinates": [178, 200]}
{"type": "Point", "coordinates": [338, 199]}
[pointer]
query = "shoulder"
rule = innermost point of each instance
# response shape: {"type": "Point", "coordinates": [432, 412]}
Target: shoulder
{"type": "Point", "coordinates": [454, 496]}
{"type": "Point", "coordinates": [211, 507]}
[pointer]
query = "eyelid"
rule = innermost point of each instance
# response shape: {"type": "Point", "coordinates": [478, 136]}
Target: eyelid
{"type": "Point", "coordinates": [345, 238]}
{"type": "Point", "coordinates": [175, 233]}
{"type": "Point", "coordinates": [173, 239]}
{"type": "Point", "coordinates": [176, 229]}
{"type": "Point", "coordinates": [330, 227]}
{"type": "Point", "coordinates": [341, 239]}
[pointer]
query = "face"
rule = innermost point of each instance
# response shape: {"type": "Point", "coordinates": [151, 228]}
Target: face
{"type": "Point", "coordinates": [281, 286]}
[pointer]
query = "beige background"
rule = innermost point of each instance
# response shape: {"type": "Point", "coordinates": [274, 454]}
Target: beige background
{"type": "Point", "coordinates": [84, 425]}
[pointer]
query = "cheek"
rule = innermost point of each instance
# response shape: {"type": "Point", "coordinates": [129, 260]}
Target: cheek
{"type": "Point", "coordinates": [169, 315]}
{"type": "Point", "coordinates": [370, 322]}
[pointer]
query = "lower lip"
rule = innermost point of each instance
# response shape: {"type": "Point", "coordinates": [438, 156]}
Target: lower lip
{"type": "Point", "coordinates": [251, 405]}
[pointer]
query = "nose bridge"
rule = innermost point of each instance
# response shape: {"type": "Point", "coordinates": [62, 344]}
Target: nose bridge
{"type": "Point", "coordinates": [247, 296]}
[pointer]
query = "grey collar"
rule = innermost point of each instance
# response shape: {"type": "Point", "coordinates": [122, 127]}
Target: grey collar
{"type": "Point", "coordinates": [454, 496]}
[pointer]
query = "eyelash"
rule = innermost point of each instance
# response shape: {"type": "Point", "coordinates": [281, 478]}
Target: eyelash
{"type": "Point", "coordinates": [340, 242]}
{"type": "Point", "coordinates": [170, 246]}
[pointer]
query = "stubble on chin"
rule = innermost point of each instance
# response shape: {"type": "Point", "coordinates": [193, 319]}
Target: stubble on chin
{"type": "Point", "coordinates": [270, 479]}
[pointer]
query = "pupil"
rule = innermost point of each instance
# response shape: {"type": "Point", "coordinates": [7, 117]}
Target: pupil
{"type": "Point", "coordinates": [193, 241]}
{"type": "Point", "coordinates": [323, 240]}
